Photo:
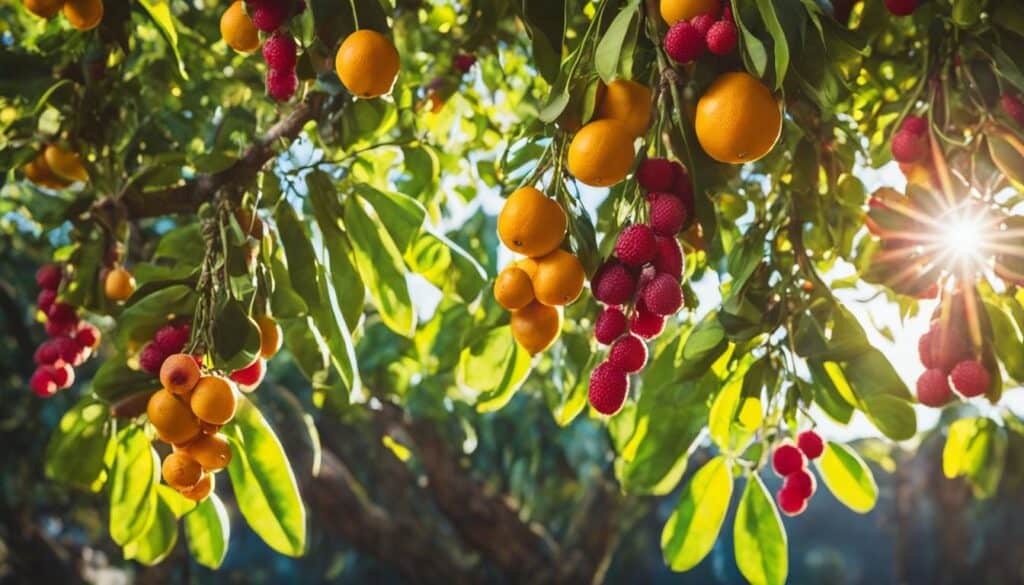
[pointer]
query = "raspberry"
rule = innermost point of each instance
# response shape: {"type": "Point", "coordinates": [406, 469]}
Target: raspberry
{"type": "Point", "coordinates": [610, 324]}
{"type": "Point", "coordinates": [46, 354]}
{"type": "Point", "coordinates": [1013, 106]}
{"type": "Point", "coordinates": [791, 503]}
{"type": "Point", "coordinates": [924, 350]}
{"type": "Point", "coordinates": [67, 350]}
{"type": "Point", "coordinates": [800, 482]}
{"type": "Point", "coordinates": [151, 358]}
{"type": "Point", "coordinates": [609, 386]}
{"type": "Point", "coordinates": [668, 215]}
{"type": "Point", "coordinates": [42, 382]}
{"type": "Point", "coordinates": [656, 174]}
{"type": "Point", "coordinates": [669, 259]}
{"type": "Point", "coordinates": [970, 378]}
{"type": "Point", "coordinates": [703, 23]}
{"type": "Point", "coordinates": [721, 38]}
{"type": "Point", "coordinates": [279, 52]}
{"type": "Point", "coordinates": [810, 443]}
{"type": "Point", "coordinates": [172, 339]}
{"type": "Point", "coordinates": [645, 323]}
{"type": "Point", "coordinates": [269, 15]}
{"type": "Point", "coordinates": [463, 62]}
{"type": "Point", "coordinates": [46, 299]}
{"type": "Point", "coordinates": [48, 276]}
{"type": "Point", "coordinates": [628, 353]}
{"type": "Point", "coordinates": [907, 147]}
{"type": "Point", "coordinates": [635, 245]}
{"type": "Point", "coordinates": [916, 125]}
{"type": "Point", "coordinates": [901, 7]}
{"type": "Point", "coordinates": [787, 459]}
{"type": "Point", "coordinates": [281, 85]}
{"type": "Point", "coordinates": [662, 296]}
{"type": "Point", "coordinates": [683, 42]}
{"type": "Point", "coordinates": [613, 284]}
{"type": "Point", "coordinates": [63, 376]}
{"type": "Point", "coordinates": [933, 388]}
{"type": "Point", "coordinates": [87, 336]}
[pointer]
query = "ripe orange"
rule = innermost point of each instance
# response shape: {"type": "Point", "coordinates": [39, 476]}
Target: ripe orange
{"type": "Point", "coordinates": [214, 400]}
{"type": "Point", "coordinates": [39, 173]}
{"type": "Point", "coordinates": [531, 223]}
{"type": "Point", "coordinates": [601, 153]}
{"type": "Point", "coordinates": [559, 278]}
{"type": "Point", "coordinates": [270, 336]}
{"type": "Point", "coordinates": [527, 265]}
{"type": "Point", "coordinates": [237, 29]}
{"type": "Point", "coordinates": [535, 327]}
{"type": "Point", "coordinates": [172, 418]}
{"type": "Point", "coordinates": [367, 63]}
{"type": "Point", "coordinates": [213, 452]}
{"type": "Point", "coordinates": [675, 10]}
{"type": "Point", "coordinates": [179, 373]}
{"type": "Point", "coordinates": [181, 471]}
{"type": "Point", "coordinates": [64, 163]}
{"type": "Point", "coordinates": [119, 285]}
{"type": "Point", "coordinates": [83, 15]}
{"type": "Point", "coordinates": [202, 489]}
{"type": "Point", "coordinates": [43, 8]}
{"type": "Point", "coordinates": [513, 288]}
{"type": "Point", "coordinates": [738, 119]}
{"type": "Point", "coordinates": [207, 428]}
{"type": "Point", "coordinates": [628, 102]}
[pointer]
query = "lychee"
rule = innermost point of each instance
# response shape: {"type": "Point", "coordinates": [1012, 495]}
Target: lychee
{"type": "Point", "coordinates": [662, 296]}
{"type": "Point", "coordinates": [68, 350]}
{"type": "Point", "coordinates": [171, 338]}
{"type": "Point", "coordinates": [269, 15]}
{"type": "Point", "coordinates": [46, 354]}
{"type": "Point", "coordinates": [281, 84]}
{"type": "Point", "coordinates": [810, 443]}
{"type": "Point", "coordinates": [787, 459]}
{"type": "Point", "coordinates": [669, 259]}
{"type": "Point", "coordinates": [916, 125]}
{"type": "Point", "coordinates": [908, 147]}
{"type": "Point", "coordinates": [63, 375]}
{"type": "Point", "coordinates": [279, 52]}
{"type": "Point", "coordinates": [63, 316]}
{"type": "Point", "coordinates": [949, 347]}
{"type": "Point", "coordinates": [610, 324]}
{"type": "Point", "coordinates": [801, 482]}
{"type": "Point", "coordinates": [668, 215]}
{"type": "Point", "coordinates": [791, 503]}
{"type": "Point", "coordinates": [46, 299]}
{"type": "Point", "coordinates": [721, 37]}
{"type": "Point", "coordinates": [463, 62]}
{"type": "Point", "coordinates": [251, 375]}
{"type": "Point", "coordinates": [683, 42]}
{"type": "Point", "coordinates": [933, 388]}
{"type": "Point", "coordinates": [635, 245]}
{"type": "Point", "coordinates": [151, 358]}
{"type": "Point", "coordinates": [87, 336]}
{"type": "Point", "coordinates": [970, 378]}
{"type": "Point", "coordinates": [901, 7]}
{"type": "Point", "coordinates": [645, 323]}
{"type": "Point", "coordinates": [924, 350]}
{"type": "Point", "coordinates": [609, 386]}
{"type": "Point", "coordinates": [48, 276]}
{"type": "Point", "coordinates": [613, 284]}
{"type": "Point", "coordinates": [656, 174]}
{"type": "Point", "coordinates": [629, 353]}
{"type": "Point", "coordinates": [42, 382]}
{"type": "Point", "coordinates": [703, 23]}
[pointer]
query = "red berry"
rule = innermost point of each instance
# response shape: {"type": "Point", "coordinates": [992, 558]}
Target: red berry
{"type": "Point", "coordinates": [668, 215]}
{"type": "Point", "coordinates": [46, 354]}
{"type": "Point", "coordinates": [800, 482]}
{"type": "Point", "coordinates": [908, 147]}
{"type": "Point", "coordinates": [269, 15]}
{"type": "Point", "coordinates": [63, 314]}
{"type": "Point", "coordinates": [662, 296]}
{"type": "Point", "coordinates": [669, 259]}
{"type": "Point", "coordinates": [48, 276]}
{"type": "Point", "coordinates": [949, 347]}
{"type": "Point", "coordinates": [916, 125]}
{"type": "Point", "coordinates": [87, 336]}
{"type": "Point", "coordinates": [810, 443]}
{"type": "Point", "coordinates": [629, 353]}
{"type": "Point", "coordinates": [63, 376]}
{"type": "Point", "coordinates": [613, 284]}
{"type": "Point", "coordinates": [151, 358]}
{"type": "Point", "coordinates": [279, 52]}
{"type": "Point", "coordinates": [251, 375]}
{"type": "Point", "coordinates": [924, 350]}
{"type": "Point", "coordinates": [721, 38]}
{"type": "Point", "coordinates": [46, 299]}
{"type": "Point", "coordinates": [42, 382]}
{"type": "Point", "coordinates": [901, 7]}
{"type": "Point", "coordinates": [1013, 106]}
{"type": "Point", "coordinates": [791, 503]}
{"type": "Point", "coordinates": [635, 245]}
{"type": "Point", "coordinates": [68, 350]}
{"type": "Point", "coordinates": [970, 378]}
{"type": "Point", "coordinates": [281, 85]}
{"type": "Point", "coordinates": [683, 42]}
{"type": "Point", "coordinates": [702, 22]}
{"type": "Point", "coordinates": [683, 189]}
{"type": "Point", "coordinates": [787, 459]}
{"type": "Point", "coordinates": [463, 62]}
{"type": "Point", "coordinates": [933, 388]}
{"type": "Point", "coordinates": [656, 174]}
{"type": "Point", "coordinates": [171, 339]}
{"type": "Point", "coordinates": [610, 324]}
{"type": "Point", "coordinates": [609, 387]}
{"type": "Point", "coordinates": [645, 323]}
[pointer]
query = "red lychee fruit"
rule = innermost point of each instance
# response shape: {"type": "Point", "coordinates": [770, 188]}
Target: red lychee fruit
{"type": "Point", "coordinates": [610, 324]}
{"type": "Point", "coordinates": [721, 37]}
{"type": "Point", "coordinates": [151, 358]}
{"type": "Point", "coordinates": [916, 125]}
{"type": "Point", "coordinates": [63, 376]}
{"type": "Point", "coordinates": [924, 350]}
{"type": "Point", "coordinates": [901, 7]}
{"type": "Point", "coordinates": [933, 388]}
{"type": "Point", "coordinates": [269, 15]}
{"type": "Point", "coordinates": [787, 459]}
{"type": "Point", "coordinates": [656, 174]}
{"type": "Point", "coordinates": [645, 323]}
{"type": "Point", "coordinates": [87, 336]}
{"type": "Point", "coordinates": [46, 299]}
{"type": "Point", "coordinates": [628, 353]}
{"type": "Point", "coordinates": [703, 23]}
{"type": "Point", "coordinates": [281, 85]}
{"type": "Point", "coordinates": [662, 296]}
{"type": "Point", "coordinates": [171, 339]}
{"type": "Point", "coordinates": [68, 350]}
{"type": "Point", "coordinates": [635, 245]}
{"type": "Point", "coordinates": [63, 315]}
{"type": "Point", "coordinates": [908, 147]}
{"type": "Point", "coordinates": [279, 52]}
{"type": "Point", "coordinates": [613, 284]}
{"type": "Point", "coordinates": [810, 443]}
{"type": "Point", "coordinates": [609, 386]}
{"type": "Point", "coordinates": [48, 276]}
{"type": "Point", "coordinates": [669, 259]}
{"type": "Point", "coordinates": [970, 378]}
{"type": "Point", "coordinates": [800, 482]}
{"type": "Point", "coordinates": [668, 214]}
{"type": "Point", "coordinates": [46, 354]}
{"type": "Point", "coordinates": [42, 382]}
{"type": "Point", "coordinates": [949, 347]}
{"type": "Point", "coordinates": [463, 62]}
{"type": "Point", "coordinates": [791, 503]}
{"type": "Point", "coordinates": [684, 43]}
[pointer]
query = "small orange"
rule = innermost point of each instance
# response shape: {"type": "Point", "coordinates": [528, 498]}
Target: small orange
{"type": "Point", "coordinates": [43, 8]}
{"type": "Point", "coordinates": [39, 173]}
{"type": "Point", "coordinates": [214, 400]}
{"type": "Point", "coordinates": [237, 29]}
{"type": "Point", "coordinates": [559, 278]}
{"type": "Point", "coordinates": [628, 102]}
{"type": "Point", "coordinates": [601, 153]}
{"type": "Point", "coordinates": [367, 63]}
{"type": "Point", "coordinates": [64, 163]}
{"type": "Point", "coordinates": [181, 471]}
{"type": "Point", "coordinates": [531, 223]}
{"type": "Point", "coordinates": [172, 418]}
{"type": "Point", "coordinates": [213, 452]}
{"type": "Point", "coordinates": [270, 336]}
{"type": "Point", "coordinates": [119, 285]}
{"type": "Point", "coordinates": [179, 373]}
{"type": "Point", "coordinates": [535, 327]}
{"type": "Point", "coordinates": [675, 10]}
{"type": "Point", "coordinates": [513, 288]}
{"type": "Point", "coordinates": [527, 265]}
{"type": "Point", "coordinates": [202, 489]}
{"type": "Point", "coordinates": [83, 15]}
{"type": "Point", "coordinates": [207, 428]}
{"type": "Point", "coordinates": [738, 119]}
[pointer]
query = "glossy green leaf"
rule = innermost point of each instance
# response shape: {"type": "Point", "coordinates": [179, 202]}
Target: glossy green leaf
{"type": "Point", "coordinates": [759, 540]}
{"type": "Point", "coordinates": [492, 368]}
{"type": "Point", "coordinates": [160, 13]}
{"type": "Point", "coordinates": [80, 449]}
{"type": "Point", "coordinates": [133, 481]}
{"type": "Point", "coordinates": [207, 529]}
{"type": "Point", "coordinates": [157, 542]}
{"type": "Point", "coordinates": [609, 49]}
{"type": "Point", "coordinates": [693, 527]}
{"type": "Point", "coordinates": [976, 449]}
{"type": "Point", "coordinates": [848, 477]}
{"type": "Point", "coordinates": [143, 316]}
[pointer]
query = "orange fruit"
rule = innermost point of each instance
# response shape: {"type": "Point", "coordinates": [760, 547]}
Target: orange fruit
{"type": "Point", "coordinates": [64, 163]}
{"type": "Point", "coordinates": [39, 173]}
{"type": "Point", "coordinates": [172, 418]}
{"type": "Point", "coordinates": [601, 153]}
{"type": "Point", "coordinates": [43, 8]}
{"type": "Point", "coordinates": [738, 119]}
{"type": "Point", "coordinates": [559, 278]}
{"type": "Point", "coordinates": [212, 452]}
{"type": "Point", "coordinates": [83, 15]}
{"type": "Point", "coordinates": [202, 489]}
{"type": "Point", "coordinates": [237, 29]}
{"type": "Point", "coordinates": [675, 10]}
{"type": "Point", "coordinates": [367, 63]}
{"type": "Point", "coordinates": [527, 265]}
{"type": "Point", "coordinates": [536, 326]}
{"type": "Point", "coordinates": [179, 373]}
{"type": "Point", "coordinates": [628, 102]}
{"type": "Point", "coordinates": [207, 428]}
{"type": "Point", "coordinates": [531, 223]}
{"type": "Point", "coordinates": [513, 288]}
{"type": "Point", "coordinates": [214, 400]}
{"type": "Point", "coordinates": [119, 285]}
{"type": "Point", "coordinates": [270, 336]}
{"type": "Point", "coordinates": [181, 471]}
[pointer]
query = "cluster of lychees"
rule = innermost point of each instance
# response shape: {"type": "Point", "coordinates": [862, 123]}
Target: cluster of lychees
{"type": "Point", "coordinates": [167, 341]}
{"type": "Point", "coordinates": [644, 274]}
{"type": "Point", "coordinates": [790, 463]}
{"type": "Point", "coordinates": [948, 355]}
{"type": "Point", "coordinates": [239, 26]}
{"type": "Point", "coordinates": [71, 339]}
{"type": "Point", "coordinates": [687, 40]}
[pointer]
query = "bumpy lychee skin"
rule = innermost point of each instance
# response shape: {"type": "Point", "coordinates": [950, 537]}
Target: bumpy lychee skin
{"type": "Point", "coordinates": [949, 347]}
{"type": "Point", "coordinates": [645, 323]}
{"type": "Point", "coordinates": [916, 125]}
{"type": "Point", "coordinates": [42, 382]}
{"type": "Point", "coordinates": [933, 388]}
{"type": "Point", "coordinates": [656, 174]}
{"type": "Point", "coordinates": [801, 482]}
{"type": "Point", "coordinates": [46, 299]}
{"type": "Point", "coordinates": [48, 276]}
{"type": "Point", "coordinates": [281, 85]}
{"type": "Point", "coordinates": [151, 358]}
{"type": "Point", "coordinates": [662, 296]}
{"type": "Point", "coordinates": [172, 338]}
{"type": "Point", "coordinates": [787, 459]}
{"type": "Point", "coordinates": [63, 314]}
{"type": "Point", "coordinates": [629, 353]}
{"type": "Point", "coordinates": [669, 259]}
{"type": "Point", "coordinates": [901, 7]}
{"type": "Point", "coordinates": [269, 15]}
{"type": "Point", "coordinates": [68, 350]}
{"type": "Point", "coordinates": [684, 43]}
{"type": "Point", "coordinates": [609, 386]}
{"type": "Point", "coordinates": [810, 443]}
{"type": "Point", "coordinates": [907, 147]}
{"type": "Point", "coordinates": [721, 38]}
{"type": "Point", "coordinates": [703, 23]}
{"type": "Point", "coordinates": [635, 245]}
{"type": "Point", "coordinates": [610, 324]}
{"type": "Point", "coordinates": [668, 214]}
{"type": "Point", "coordinates": [791, 503]}
{"type": "Point", "coordinates": [279, 52]}
{"type": "Point", "coordinates": [970, 378]}
{"type": "Point", "coordinates": [924, 350]}
{"type": "Point", "coordinates": [613, 284]}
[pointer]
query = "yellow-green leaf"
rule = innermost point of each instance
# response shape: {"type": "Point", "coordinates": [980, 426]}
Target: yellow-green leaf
{"type": "Point", "coordinates": [848, 477]}
{"type": "Point", "coordinates": [759, 540]}
{"type": "Point", "coordinates": [693, 527]}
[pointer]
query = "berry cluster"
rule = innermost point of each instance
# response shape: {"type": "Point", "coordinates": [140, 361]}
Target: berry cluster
{"type": "Point", "coordinates": [687, 40]}
{"type": "Point", "coordinates": [790, 463]}
{"type": "Point", "coordinates": [645, 275]}
{"type": "Point", "coordinates": [239, 26]}
{"type": "Point", "coordinates": [188, 413]}
{"type": "Point", "coordinates": [947, 355]}
{"type": "Point", "coordinates": [167, 341]}
{"type": "Point", "coordinates": [71, 341]}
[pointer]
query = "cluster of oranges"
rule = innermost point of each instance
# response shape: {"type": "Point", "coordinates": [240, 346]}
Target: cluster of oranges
{"type": "Point", "coordinates": [82, 14]}
{"type": "Point", "coordinates": [601, 153]}
{"type": "Point", "coordinates": [55, 168]}
{"type": "Point", "coordinates": [535, 288]}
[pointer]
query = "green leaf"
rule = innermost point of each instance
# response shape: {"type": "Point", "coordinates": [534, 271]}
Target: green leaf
{"type": "Point", "coordinates": [115, 380]}
{"type": "Point", "coordinates": [723, 410]}
{"type": "Point", "coordinates": [754, 53]}
{"type": "Point", "coordinates": [343, 275]}
{"type": "Point", "coordinates": [298, 250]}
{"type": "Point", "coordinates": [1006, 340]}
{"type": "Point", "coordinates": [759, 539]}
{"type": "Point", "coordinates": [133, 494]}
{"type": "Point", "coordinates": [404, 215]}
{"type": "Point", "coordinates": [492, 368]}
{"type": "Point", "coordinates": [159, 12]}
{"type": "Point", "coordinates": [153, 545]}
{"type": "Point", "coordinates": [236, 338]}
{"type": "Point", "coordinates": [976, 449]}
{"type": "Point", "coordinates": [780, 48]}
{"type": "Point", "coordinates": [80, 449]}
{"type": "Point", "coordinates": [207, 529]}
{"type": "Point", "coordinates": [446, 265]}
{"type": "Point", "coordinates": [140, 320]}
{"type": "Point", "coordinates": [182, 244]}
{"type": "Point", "coordinates": [693, 527]}
{"type": "Point", "coordinates": [264, 483]}
{"type": "Point", "coordinates": [848, 477]}
{"type": "Point", "coordinates": [609, 49]}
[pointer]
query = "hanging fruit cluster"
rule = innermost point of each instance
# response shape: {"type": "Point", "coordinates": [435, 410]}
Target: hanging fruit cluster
{"type": "Point", "coordinates": [601, 153]}
{"type": "Point", "coordinates": [688, 38]}
{"type": "Point", "coordinates": [790, 463]}
{"type": "Point", "coordinates": [71, 341]}
{"type": "Point", "coordinates": [55, 168]}
{"type": "Point", "coordinates": [167, 341]}
{"type": "Point", "coordinates": [240, 26]}
{"type": "Point", "coordinates": [951, 357]}
{"type": "Point", "coordinates": [83, 15]}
